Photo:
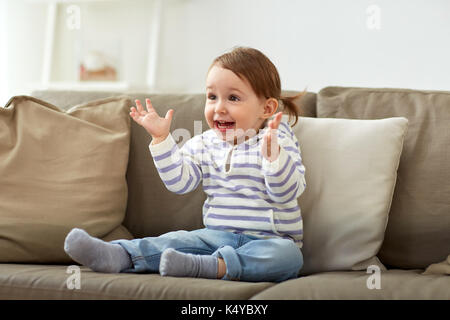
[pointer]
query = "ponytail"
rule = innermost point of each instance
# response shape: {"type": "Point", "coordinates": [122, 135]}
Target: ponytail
{"type": "Point", "coordinates": [292, 109]}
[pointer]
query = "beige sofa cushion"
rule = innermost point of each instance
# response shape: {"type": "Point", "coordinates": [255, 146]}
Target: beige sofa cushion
{"type": "Point", "coordinates": [351, 168]}
{"type": "Point", "coordinates": [418, 231]}
{"type": "Point", "coordinates": [58, 171]}
{"type": "Point", "coordinates": [21, 281]}
{"type": "Point", "coordinates": [393, 285]}
{"type": "Point", "coordinates": [439, 268]}
{"type": "Point", "coordinates": [152, 209]}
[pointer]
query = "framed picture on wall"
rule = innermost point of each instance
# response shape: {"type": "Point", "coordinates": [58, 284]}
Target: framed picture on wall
{"type": "Point", "coordinates": [99, 58]}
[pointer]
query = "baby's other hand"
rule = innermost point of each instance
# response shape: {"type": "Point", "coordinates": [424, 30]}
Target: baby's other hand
{"type": "Point", "coordinates": [270, 146]}
{"type": "Point", "coordinates": [156, 126]}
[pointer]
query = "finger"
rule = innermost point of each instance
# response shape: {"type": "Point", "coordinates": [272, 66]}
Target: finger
{"type": "Point", "coordinates": [265, 145]}
{"type": "Point", "coordinates": [134, 112]}
{"type": "Point", "coordinates": [277, 120]}
{"type": "Point", "coordinates": [134, 116]}
{"type": "Point", "coordinates": [274, 137]}
{"type": "Point", "coordinates": [269, 143]}
{"type": "Point", "coordinates": [272, 124]}
{"type": "Point", "coordinates": [139, 106]}
{"type": "Point", "coordinates": [280, 115]}
{"type": "Point", "coordinates": [274, 147]}
{"type": "Point", "coordinates": [149, 105]}
{"type": "Point", "coordinates": [169, 115]}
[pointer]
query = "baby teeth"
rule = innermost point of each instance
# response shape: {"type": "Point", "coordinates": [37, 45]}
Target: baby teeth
{"type": "Point", "coordinates": [224, 124]}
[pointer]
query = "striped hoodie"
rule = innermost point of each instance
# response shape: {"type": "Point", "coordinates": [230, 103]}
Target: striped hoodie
{"type": "Point", "coordinates": [245, 192]}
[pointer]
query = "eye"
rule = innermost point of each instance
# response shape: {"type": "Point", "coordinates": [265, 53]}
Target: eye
{"type": "Point", "coordinates": [234, 98]}
{"type": "Point", "coordinates": [211, 97]}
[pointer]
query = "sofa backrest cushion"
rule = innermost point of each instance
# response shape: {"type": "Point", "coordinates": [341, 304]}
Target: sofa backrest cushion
{"type": "Point", "coordinates": [61, 170]}
{"type": "Point", "coordinates": [418, 231]}
{"type": "Point", "coordinates": [152, 209]}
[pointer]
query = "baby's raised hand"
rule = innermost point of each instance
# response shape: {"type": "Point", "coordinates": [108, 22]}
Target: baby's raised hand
{"type": "Point", "coordinates": [156, 126]}
{"type": "Point", "coordinates": [270, 147]}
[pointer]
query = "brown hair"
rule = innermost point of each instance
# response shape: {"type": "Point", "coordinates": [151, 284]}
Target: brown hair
{"type": "Point", "coordinates": [261, 73]}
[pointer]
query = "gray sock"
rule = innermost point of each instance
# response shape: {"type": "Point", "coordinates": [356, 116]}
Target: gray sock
{"type": "Point", "coordinates": [96, 254]}
{"type": "Point", "coordinates": [177, 264]}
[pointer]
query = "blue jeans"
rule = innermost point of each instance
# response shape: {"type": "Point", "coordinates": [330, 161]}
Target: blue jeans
{"type": "Point", "coordinates": [247, 258]}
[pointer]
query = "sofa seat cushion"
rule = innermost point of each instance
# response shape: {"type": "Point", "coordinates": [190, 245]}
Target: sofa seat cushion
{"type": "Point", "coordinates": [395, 284]}
{"type": "Point", "coordinates": [29, 281]}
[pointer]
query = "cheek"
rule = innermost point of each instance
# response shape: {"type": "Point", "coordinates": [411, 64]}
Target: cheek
{"type": "Point", "coordinates": [241, 116]}
{"type": "Point", "coordinates": [209, 112]}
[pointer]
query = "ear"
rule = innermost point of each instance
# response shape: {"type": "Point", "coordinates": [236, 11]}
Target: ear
{"type": "Point", "coordinates": [270, 107]}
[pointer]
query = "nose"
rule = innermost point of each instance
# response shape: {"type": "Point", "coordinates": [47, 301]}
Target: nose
{"type": "Point", "coordinates": [220, 106]}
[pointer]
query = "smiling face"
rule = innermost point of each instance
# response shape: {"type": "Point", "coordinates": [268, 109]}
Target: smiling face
{"type": "Point", "coordinates": [232, 108]}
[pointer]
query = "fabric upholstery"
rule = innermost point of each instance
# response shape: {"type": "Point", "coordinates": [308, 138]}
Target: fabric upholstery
{"type": "Point", "coordinates": [439, 268]}
{"type": "Point", "coordinates": [395, 284]}
{"type": "Point", "coordinates": [351, 169]}
{"type": "Point", "coordinates": [418, 231]}
{"type": "Point", "coordinates": [21, 281]}
{"type": "Point", "coordinates": [60, 170]}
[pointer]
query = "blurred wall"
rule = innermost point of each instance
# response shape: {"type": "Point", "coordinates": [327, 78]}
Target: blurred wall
{"type": "Point", "coordinates": [313, 43]}
{"type": "Point", "coordinates": [21, 44]}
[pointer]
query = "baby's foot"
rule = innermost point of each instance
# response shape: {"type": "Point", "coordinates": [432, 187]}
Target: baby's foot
{"type": "Point", "coordinates": [178, 264]}
{"type": "Point", "coordinates": [96, 254]}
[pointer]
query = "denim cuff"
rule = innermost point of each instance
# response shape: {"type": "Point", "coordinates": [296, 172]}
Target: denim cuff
{"type": "Point", "coordinates": [233, 265]}
{"type": "Point", "coordinates": [140, 264]}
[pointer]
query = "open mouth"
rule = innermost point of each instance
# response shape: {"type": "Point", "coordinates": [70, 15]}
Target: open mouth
{"type": "Point", "coordinates": [223, 125]}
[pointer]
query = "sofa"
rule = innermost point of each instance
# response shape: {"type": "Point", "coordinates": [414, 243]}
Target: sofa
{"type": "Point", "coordinates": [393, 146]}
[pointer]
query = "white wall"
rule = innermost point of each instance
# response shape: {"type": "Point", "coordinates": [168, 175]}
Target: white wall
{"type": "Point", "coordinates": [3, 53]}
{"type": "Point", "coordinates": [24, 24]}
{"type": "Point", "coordinates": [314, 43]}
{"type": "Point", "coordinates": [21, 45]}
